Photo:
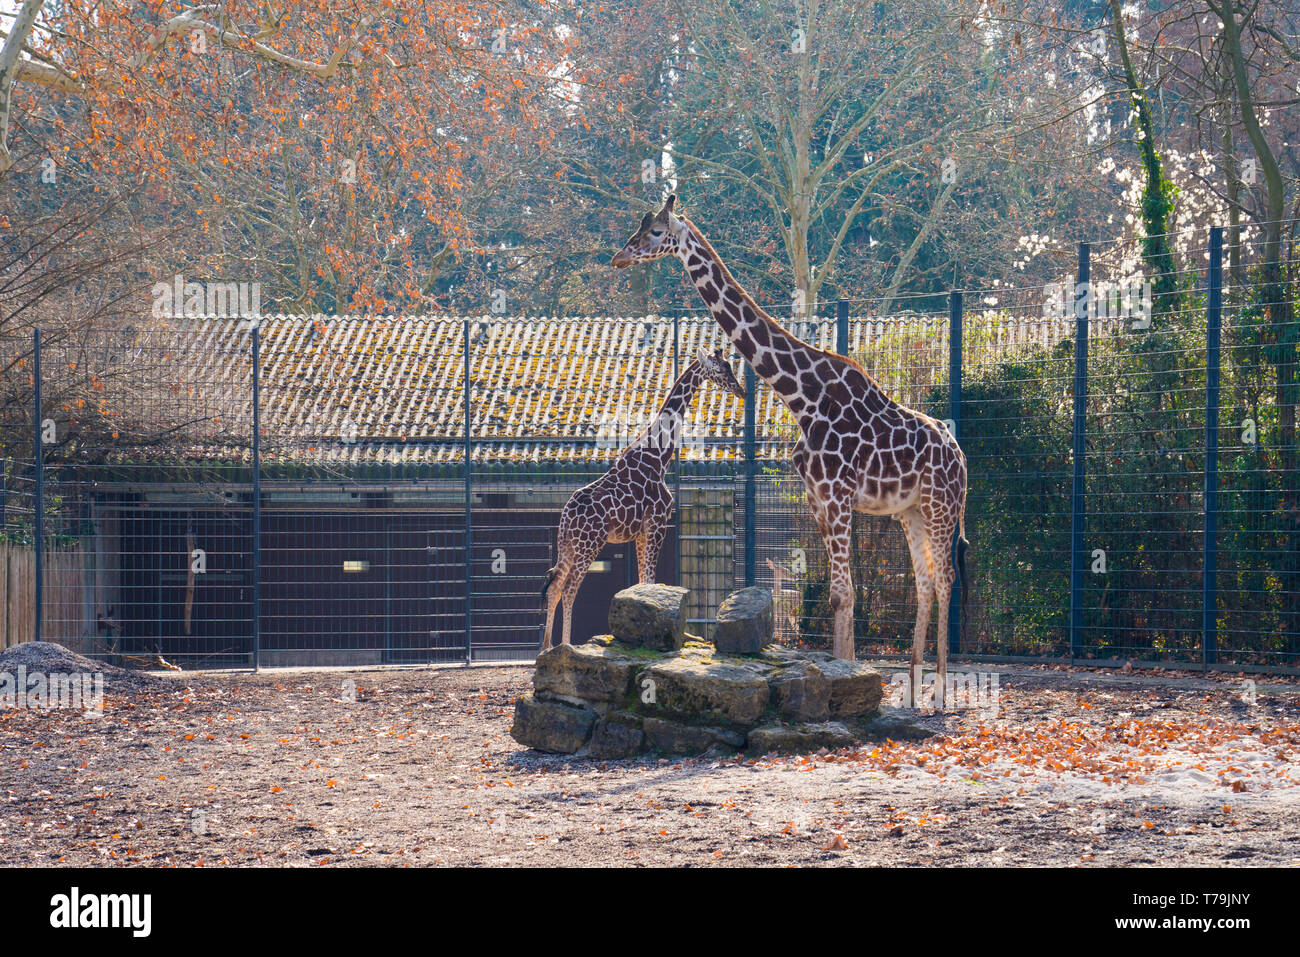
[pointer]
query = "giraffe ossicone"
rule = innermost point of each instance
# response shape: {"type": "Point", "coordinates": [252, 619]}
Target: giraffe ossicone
{"type": "Point", "coordinates": [631, 502]}
{"type": "Point", "coordinates": [858, 450]}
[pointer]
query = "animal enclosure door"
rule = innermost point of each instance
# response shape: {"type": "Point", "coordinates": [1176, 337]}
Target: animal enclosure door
{"type": "Point", "coordinates": [442, 630]}
{"type": "Point", "coordinates": [186, 585]}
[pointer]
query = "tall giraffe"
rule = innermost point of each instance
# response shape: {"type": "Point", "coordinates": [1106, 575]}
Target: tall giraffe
{"type": "Point", "coordinates": [858, 449]}
{"type": "Point", "coordinates": [630, 502]}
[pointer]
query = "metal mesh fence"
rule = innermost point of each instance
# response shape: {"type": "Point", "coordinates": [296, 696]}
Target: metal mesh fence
{"type": "Point", "coordinates": [1149, 585]}
{"type": "Point", "coordinates": [386, 490]}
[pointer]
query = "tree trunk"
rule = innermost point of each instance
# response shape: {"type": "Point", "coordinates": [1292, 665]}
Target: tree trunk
{"type": "Point", "coordinates": [10, 56]}
{"type": "Point", "coordinates": [1156, 203]}
{"type": "Point", "coordinates": [1278, 303]}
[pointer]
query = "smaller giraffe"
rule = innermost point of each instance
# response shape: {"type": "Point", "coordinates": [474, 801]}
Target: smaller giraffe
{"type": "Point", "coordinates": [630, 502]}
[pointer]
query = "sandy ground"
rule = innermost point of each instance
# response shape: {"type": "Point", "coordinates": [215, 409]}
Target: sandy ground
{"type": "Point", "coordinates": [417, 767]}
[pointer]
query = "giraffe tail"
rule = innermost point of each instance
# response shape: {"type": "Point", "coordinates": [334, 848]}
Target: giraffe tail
{"type": "Point", "coordinates": [550, 577]}
{"type": "Point", "coordinates": [962, 545]}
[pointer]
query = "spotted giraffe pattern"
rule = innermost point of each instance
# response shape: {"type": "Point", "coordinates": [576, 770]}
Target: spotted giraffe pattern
{"type": "Point", "coordinates": [858, 449]}
{"type": "Point", "coordinates": [631, 502]}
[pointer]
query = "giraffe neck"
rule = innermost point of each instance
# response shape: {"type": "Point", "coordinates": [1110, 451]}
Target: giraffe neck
{"type": "Point", "coordinates": [660, 439]}
{"type": "Point", "coordinates": [776, 355]}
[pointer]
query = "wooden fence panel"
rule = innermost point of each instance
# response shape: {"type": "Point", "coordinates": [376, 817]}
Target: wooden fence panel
{"type": "Point", "coordinates": [63, 614]}
{"type": "Point", "coordinates": [20, 594]}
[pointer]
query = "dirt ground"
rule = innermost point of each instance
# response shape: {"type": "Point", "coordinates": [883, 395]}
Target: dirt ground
{"type": "Point", "coordinates": [287, 769]}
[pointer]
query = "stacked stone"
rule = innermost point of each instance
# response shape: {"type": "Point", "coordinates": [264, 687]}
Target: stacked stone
{"type": "Point", "coordinates": [649, 686]}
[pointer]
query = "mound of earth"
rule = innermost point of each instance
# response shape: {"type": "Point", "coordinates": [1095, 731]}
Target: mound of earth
{"type": "Point", "coordinates": [49, 657]}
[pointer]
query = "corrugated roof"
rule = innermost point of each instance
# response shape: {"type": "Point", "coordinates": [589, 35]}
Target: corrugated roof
{"type": "Point", "coordinates": [390, 389]}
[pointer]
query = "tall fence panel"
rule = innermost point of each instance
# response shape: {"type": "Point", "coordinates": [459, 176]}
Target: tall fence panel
{"type": "Point", "coordinates": [410, 473]}
{"type": "Point", "coordinates": [1258, 529]}
{"type": "Point", "coordinates": [1017, 382]}
{"type": "Point", "coordinates": [147, 545]}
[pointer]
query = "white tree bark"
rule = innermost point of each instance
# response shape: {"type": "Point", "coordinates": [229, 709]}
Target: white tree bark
{"type": "Point", "coordinates": [10, 60]}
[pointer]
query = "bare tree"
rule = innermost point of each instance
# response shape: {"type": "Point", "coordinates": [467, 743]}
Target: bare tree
{"type": "Point", "coordinates": [819, 109]}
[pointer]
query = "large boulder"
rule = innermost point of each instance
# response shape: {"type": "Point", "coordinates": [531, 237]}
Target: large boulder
{"type": "Point", "coordinates": [550, 725]}
{"type": "Point", "coordinates": [788, 739]}
{"type": "Point", "coordinates": [650, 616]}
{"type": "Point", "coordinates": [856, 688]}
{"type": "Point", "coordinates": [744, 622]}
{"type": "Point", "coordinates": [590, 672]}
{"type": "Point", "coordinates": [676, 737]}
{"type": "Point", "coordinates": [615, 736]}
{"type": "Point", "coordinates": [707, 690]}
{"type": "Point", "coordinates": [801, 692]}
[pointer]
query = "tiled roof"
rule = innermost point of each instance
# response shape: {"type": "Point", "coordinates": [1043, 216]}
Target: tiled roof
{"type": "Point", "coordinates": [390, 389]}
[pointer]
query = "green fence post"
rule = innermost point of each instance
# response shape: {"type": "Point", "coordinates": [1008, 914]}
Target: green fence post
{"type": "Point", "coordinates": [469, 501]}
{"type": "Point", "coordinates": [257, 497]}
{"type": "Point", "coordinates": [751, 476]}
{"type": "Point", "coordinates": [954, 413]}
{"type": "Point", "coordinates": [38, 521]}
{"type": "Point", "coordinates": [1210, 567]}
{"type": "Point", "coordinates": [1082, 307]}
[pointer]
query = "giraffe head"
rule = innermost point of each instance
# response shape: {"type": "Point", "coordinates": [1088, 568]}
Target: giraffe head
{"type": "Point", "coordinates": [656, 237]}
{"type": "Point", "coordinates": [717, 370]}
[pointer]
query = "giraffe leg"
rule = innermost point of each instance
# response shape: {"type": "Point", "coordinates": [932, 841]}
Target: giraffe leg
{"type": "Point", "coordinates": [940, 534]}
{"type": "Point", "coordinates": [645, 572]}
{"type": "Point", "coordinates": [835, 521]}
{"type": "Point", "coordinates": [654, 543]}
{"type": "Point", "coordinates": [553, 592]}
{"type": "Point", "coordinates": [918, 543]}
{"type": "Point", "coordinates": [585, 553]}
{"type": "Point", "coordinates": [568, 617]}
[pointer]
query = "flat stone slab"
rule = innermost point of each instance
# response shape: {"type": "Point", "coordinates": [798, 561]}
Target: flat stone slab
{"type": "Point", "coordinates": [745, 622]}
{"type": "Point", "coordinates": [794, 739]}
{"type": "Point", "coordinates": [616, 736]}
{"type": "Point", "coordinates": [782, 655]}
{"type": "Point", "coordinates": [550, 725]}
{"type": "Point", "coordinates": [592, 672]}
{"type": "Point", "coordinates": [696, 648]}
{"type": "Point", "coordinates": [676, 737]}
{"type": "Point", "coordinates": [708, 690]}
{"type": "Point", "coordinates": [856, 688]}
{"type": "Point", "coordinates": [650, 616]}
{"type": "Point", "coordinates": [897, 724]}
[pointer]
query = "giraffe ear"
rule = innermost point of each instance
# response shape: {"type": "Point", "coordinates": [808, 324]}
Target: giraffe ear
{"type": "Point", "coordinates": [701, 355]}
